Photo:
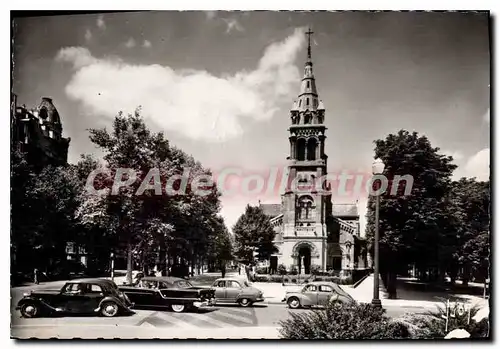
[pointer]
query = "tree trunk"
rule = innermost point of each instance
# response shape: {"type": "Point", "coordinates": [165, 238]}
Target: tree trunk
{"type": "Point", "coordinates": [162, 267]}
{"type": "Point", "coordinates": [223, 269]}
{"type": "Point", "coordinates": [391, 285]}
{"type": "Point", "coordinates": [129, 263]}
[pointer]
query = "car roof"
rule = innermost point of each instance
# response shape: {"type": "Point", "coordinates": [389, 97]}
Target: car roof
{"type": "Point", "coordinates": [231, 279]}
{"type": "Point", "coordinates": [317, 283]}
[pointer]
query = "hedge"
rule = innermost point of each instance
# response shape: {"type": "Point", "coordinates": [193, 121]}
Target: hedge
{"type": "Point", "coordinates": [302, 279]}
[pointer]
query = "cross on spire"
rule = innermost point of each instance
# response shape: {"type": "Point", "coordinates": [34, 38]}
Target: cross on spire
{"type": "Point", "coordinates": [309, 33]}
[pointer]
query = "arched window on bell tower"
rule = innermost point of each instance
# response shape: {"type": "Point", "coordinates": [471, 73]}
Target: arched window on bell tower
{"type": "Point", "coordinates": [305, 208]}
{"type": "Point", "coordinates": [301, 149]}
{"type": "Point", "coordinates": [312, 144]}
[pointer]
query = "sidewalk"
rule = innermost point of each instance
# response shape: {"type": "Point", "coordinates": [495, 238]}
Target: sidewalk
{"type": "Point", "coordinates": [363, 293]}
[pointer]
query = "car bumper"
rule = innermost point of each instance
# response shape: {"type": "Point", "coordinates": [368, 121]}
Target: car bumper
{"type": "Point", "coordinates": [205, 304]}
{"type": "Point", "coordinates": [261, 299]}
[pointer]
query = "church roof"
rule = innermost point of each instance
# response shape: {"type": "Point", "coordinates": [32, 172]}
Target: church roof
{"type": "Point", "coordinates": [271, 210]}
{"type": "Point", "coordinates": [345, 210]}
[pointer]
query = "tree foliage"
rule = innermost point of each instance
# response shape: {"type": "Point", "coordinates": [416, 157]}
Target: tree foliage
{"type": "Point", "coordinates": [49, 197]}
{"type": "Point", "coordinates": [148, 222]}
{"type": "Point", "coordinates": [438, 221]}
{"type": "Point", "coordinates": [253, 233]}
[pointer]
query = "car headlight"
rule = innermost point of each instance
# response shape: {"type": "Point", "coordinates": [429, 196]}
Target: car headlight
{"type": "Point", "coordinates": [26, 294]}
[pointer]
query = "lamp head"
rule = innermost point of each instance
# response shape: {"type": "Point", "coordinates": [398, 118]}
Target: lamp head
{"type": "Point", "coordinates": [378, 166]}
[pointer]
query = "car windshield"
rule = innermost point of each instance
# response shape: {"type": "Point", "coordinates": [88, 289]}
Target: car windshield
{"type": "Point", "coordinates": [183, 284]}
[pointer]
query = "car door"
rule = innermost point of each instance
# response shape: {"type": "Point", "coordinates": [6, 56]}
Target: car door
{"type": "Point", "coordinates": [311, 293]}
{"type": "Point", "coordinates": [142, 294]}
{"type": "Point", "coordinates": [73, 298]}
{"type": "Point", "coordinates": [92, 298]}
{"type": "Point", "coordinates": [325, 292]}
{"type": "Point", "coordinates": [220, 289]}
{"type": "Point", "coordinates": [233, 289]}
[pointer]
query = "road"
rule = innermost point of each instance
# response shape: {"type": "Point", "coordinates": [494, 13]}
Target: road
{"type": "Point", "coordinates": [231, 319]}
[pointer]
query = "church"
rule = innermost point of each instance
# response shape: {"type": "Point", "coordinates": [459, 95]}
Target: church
{"type": "Point", "coordinates": [310, 229]}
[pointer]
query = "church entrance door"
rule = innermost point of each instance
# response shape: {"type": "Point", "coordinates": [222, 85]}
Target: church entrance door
{"type": "Point", "coordinates": [305, 260]}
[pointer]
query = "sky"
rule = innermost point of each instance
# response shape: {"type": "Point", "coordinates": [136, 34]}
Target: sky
{"type": "Point", "coordinates": [220, 85]}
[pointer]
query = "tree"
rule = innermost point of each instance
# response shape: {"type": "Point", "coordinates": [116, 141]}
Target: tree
{"type": "Point", "coordinates": [149, 224]}
{"type": "Point", "coordinates": [125, 215]}
{"type": "Point", "coordinates": [469, 207]}
{"type": "Point", "coordinates": [253, 233]}
{"type": "Point", "coordinates": [49, 198]}
{"type": "Point", "coordinates": [411, 226]}
{"type": "Point", "coordinates": [220, 246]}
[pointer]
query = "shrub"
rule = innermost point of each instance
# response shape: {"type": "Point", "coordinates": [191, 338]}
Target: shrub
{"type": "Point", "coordinates": [342, 321]}
{"type": "Point", "coordinates": [281, 269]}
{"type": "Point", "coordinates": [315, 269]}
{"type": "Point", "coordinates": [261, 270]}
{"type": "Point", "coordinates": [276, 278]}
{"type": "Point", "coordinates": [433, 324]}
{"type": "Point", "coordinates": [262, 278]}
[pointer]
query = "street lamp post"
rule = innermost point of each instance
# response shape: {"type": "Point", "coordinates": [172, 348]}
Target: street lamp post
{"type": "Point", "coordinates": [112, 266]}
{"type": "Point", "coordinates": [377, 169]}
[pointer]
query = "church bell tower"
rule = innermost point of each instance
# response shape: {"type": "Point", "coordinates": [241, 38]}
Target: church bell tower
{"type": "Point", "coordinates": [305, 203]}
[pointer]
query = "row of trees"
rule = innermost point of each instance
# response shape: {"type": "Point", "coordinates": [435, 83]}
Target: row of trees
{"type": "Point", "coordinates": [442, 227]}
{"type": "Point", "coordinates": [149, 228]}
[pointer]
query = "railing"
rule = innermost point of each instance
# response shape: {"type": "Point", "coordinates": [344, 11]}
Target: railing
{"type": "Point", "coordinates": [305, 231]}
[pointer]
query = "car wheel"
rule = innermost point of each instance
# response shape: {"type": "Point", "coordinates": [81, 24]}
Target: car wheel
{"type": "Point", "coordinates": [30, 310]}
{"type": "Point", "coordinates": [178, 308]}
{"type": "Point", "coordinates": [244, 302]}
{"type": "Point", "coordinates": [109, 309]}
{"type": "Point", "coordinates": [293, 303]}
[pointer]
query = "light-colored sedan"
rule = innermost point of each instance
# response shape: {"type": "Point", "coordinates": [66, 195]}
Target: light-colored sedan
{"type": "Point", "coordinates": [317, 293]}
{"type": "Point", "coordinates": [235, 290]}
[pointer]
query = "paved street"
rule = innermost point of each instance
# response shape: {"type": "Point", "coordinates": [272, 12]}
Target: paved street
{"type": "Point", "coordinates": [230, 321]}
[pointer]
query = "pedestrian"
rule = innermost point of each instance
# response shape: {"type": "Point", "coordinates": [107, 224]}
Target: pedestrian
{"type": "Point", "coordinates": [35, 276]}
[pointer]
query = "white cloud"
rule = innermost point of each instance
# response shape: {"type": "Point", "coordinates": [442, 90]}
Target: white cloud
{"type": "Point", "coordinates": [79, 56]}
{"type": "Point", "coordinates": [88, 35]}
{"type": "Point", "coordinates": [147, 44]}
{"type": "Point", "coordinates": [130, 43]}
{"type": "Point", "coordinates": [479, 165]}
{"type": "Point", "coordinates": [100, 23]}
{"type": "Point", "coordinates": [197, 104]}
{"type": "Point", "coordinates": [233, 24]}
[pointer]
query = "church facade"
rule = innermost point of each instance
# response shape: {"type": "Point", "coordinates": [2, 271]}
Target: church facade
{"type": "Point", "coordinates": [310, 229]}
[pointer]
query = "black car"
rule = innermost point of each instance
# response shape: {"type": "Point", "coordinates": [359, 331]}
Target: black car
{"type": "Point", "coordinates": [168, 292]}
{"type": "Point", "coordinates": [92, 296]}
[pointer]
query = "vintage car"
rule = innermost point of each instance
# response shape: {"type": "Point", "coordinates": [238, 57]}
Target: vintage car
{"type": "Point", "coordinates": [91, 296]}
{"type": "Point", "coordinates": [317, 293]}
{"type": "Point", "coordinates": [168, 292]}
{"type": "Point", "coordinates": [235, 290]}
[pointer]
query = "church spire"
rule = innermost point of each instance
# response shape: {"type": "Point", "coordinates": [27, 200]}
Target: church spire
{"type": "Point", "coordinates": [308, 96]}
